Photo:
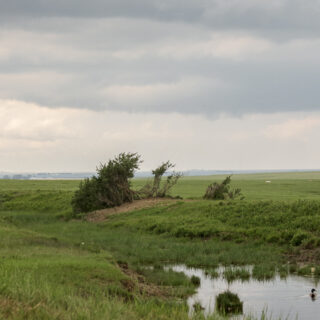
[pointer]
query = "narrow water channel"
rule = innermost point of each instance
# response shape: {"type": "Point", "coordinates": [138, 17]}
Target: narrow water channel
{"type": "Point", "coordinates": [285, 298]}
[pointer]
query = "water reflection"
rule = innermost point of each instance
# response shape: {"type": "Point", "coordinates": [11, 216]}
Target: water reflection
{"type": "Point", "coordinates": [287, 298]}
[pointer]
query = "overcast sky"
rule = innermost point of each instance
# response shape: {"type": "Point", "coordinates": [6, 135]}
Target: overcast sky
{"type": "Point", "coordinates": [208, 84]}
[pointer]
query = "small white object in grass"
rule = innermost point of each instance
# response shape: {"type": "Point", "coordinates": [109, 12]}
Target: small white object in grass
{"type": "Point", "coordinates": [82, 243]}
{"type": "Point", "coordinates": [268, 181]}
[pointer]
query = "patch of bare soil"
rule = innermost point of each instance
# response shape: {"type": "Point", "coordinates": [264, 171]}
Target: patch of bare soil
{"type": "Point", "coordinates": [305, 256]}
{"type": "Point", "coordinates": [138, 281]}
{"type": "Point", "coordinates": [101, 215]}
{"type": "Point", "coordinates": [9, 308]}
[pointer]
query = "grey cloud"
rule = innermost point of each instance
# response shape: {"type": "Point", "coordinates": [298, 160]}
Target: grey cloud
{"type": "Point", "coordinates": [213, 85]}
{"type": "Point", "coordinates": [294, 17]}
{"type": "Point", "coordinates": [56, 53]}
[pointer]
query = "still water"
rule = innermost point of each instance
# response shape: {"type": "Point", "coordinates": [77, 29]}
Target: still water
{"type": "Point", "coordinates": [286, 298]}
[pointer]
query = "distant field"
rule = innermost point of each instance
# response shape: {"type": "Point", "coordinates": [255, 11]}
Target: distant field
{"type": "Point", "coordinates": [283, 186]}
{"type": "Point", "coordinates": [35, 185]}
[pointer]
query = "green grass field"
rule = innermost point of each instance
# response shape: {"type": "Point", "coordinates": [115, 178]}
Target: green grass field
{"type": "Point", "coordinates": [57, 267]}
{"type": "Point", "coordinates": [283, 186]}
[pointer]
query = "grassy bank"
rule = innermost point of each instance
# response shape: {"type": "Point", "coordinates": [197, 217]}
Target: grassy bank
{"type": "Point", "coordinates": [46, 277]}
{"type": "Point", "coordinates": [54, 267]}
{"type": "Point", "coordinates": [290, 224]}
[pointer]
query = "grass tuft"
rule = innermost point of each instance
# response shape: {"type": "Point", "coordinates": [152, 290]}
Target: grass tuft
{"type": "Point", "coordinates": [228, 302]}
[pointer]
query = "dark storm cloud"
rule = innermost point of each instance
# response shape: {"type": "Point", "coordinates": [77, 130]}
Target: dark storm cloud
{"type": "Point", "coordinates": [200, 56]}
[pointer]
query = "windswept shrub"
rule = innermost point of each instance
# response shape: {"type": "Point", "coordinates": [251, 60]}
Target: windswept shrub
{"type": "Point", "coordinates": [111, 186]}
{"type": "Point", "coordinates": [221, 191]}
{"type": "Point", "coordinates": [159, 189]}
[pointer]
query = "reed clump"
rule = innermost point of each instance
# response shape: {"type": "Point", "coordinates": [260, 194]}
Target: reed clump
{"type": "Point", "coordinates": [228, 302]}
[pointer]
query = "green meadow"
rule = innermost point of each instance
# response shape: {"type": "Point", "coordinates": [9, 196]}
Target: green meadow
{"type": "Point", "coordinates": [283, 186]}
{"type": "Point", "coordinates": [57, 266]}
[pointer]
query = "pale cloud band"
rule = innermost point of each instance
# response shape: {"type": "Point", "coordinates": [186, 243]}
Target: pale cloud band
{"type": "Point", "coordinates": [38, 138]}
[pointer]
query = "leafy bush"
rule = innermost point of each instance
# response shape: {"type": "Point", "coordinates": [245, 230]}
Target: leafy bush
{"type": "Point", "coordinates": [221, 191]}
{"type": "Point", "coordinates": [86, 199]}
{"type": "Point", "coordinates": [111, 186]}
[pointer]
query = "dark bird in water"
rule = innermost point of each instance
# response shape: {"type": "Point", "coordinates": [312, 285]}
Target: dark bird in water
{"type": "Point", "coordinates": [313, 294]}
